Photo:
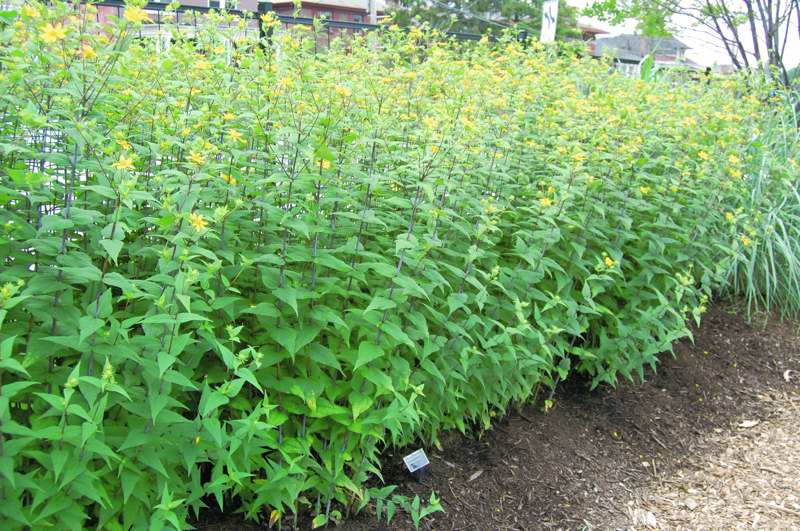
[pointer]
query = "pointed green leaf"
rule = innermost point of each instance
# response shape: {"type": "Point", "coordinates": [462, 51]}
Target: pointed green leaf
{"type": "Point", "coordinates": [112, 247]}
{"type": "Point", "coordinates": [367, 352]}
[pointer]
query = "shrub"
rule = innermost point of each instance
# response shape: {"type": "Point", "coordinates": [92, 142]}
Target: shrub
{"type": "Point", "coordinates": [235, 273]}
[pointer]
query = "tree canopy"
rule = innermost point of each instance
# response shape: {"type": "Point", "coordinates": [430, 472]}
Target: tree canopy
{"type": "Point", "coordinates": [479, 16]}
{"type": "Point", "coordinates": [754, 33]}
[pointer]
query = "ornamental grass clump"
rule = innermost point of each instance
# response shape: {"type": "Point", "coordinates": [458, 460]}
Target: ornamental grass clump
{"type": "Point", "coordinates": [766, 273]}
{"type": "Point", "coordinates": [232, 272]}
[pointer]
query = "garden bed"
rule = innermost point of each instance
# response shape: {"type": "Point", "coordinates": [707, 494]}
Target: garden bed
{"type": "Point", "coordinates": [584, 461]}
{"type": "Point", "coordinates": [239, 301]}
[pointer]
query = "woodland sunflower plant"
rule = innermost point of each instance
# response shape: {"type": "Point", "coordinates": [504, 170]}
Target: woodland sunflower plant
{"type": "Point", "coordinates": [234, 271]}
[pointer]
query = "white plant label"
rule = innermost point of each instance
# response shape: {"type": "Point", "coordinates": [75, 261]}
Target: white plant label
{"type": "Point", "coordinates": [549, 18]}
{"type": "Point", "coordinates": [416, 460]}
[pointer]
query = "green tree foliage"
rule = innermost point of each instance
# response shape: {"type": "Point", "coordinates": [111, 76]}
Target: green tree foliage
{"type": "Point", "coordinates": [652, 16]}
{"type": "Point", "coordinates": [480, 16]}
{"type": "Point", "coordinates": [754, 33]}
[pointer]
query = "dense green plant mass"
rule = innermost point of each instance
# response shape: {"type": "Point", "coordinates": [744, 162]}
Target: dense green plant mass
{"type": "Point", "coordinates": [232, 274]}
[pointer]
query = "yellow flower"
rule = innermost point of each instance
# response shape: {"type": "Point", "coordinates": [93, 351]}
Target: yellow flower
{"type": "Point", "coordinates": [703, 155]}
{"type": "Point", "coordinates": [325, 164]}
{"type": "Point", "coordinates": [30, 11]}
{"type": "Point", "coordinates": [235, 135]}
{"type": "Point", "coordinates": [197, 221]}
{"type": "Point", "coordinates": [733, 159]}
{"type": "Point", "coordinates": [434, 149]}
{"type": "Point", "coordinates": [186, 131]}
{"type": "Point", "coordinates": [609, 262]}
{"type": "Point", "coordinates": [736, 174]}
{"type": "Point", "coordinates": [230, 179]}
{"type": "Point", "coordinates": [578, 157]}
{"type": "Point", "coordinates": [136, 15]}
{"type": "Point", "coordinates": [228, 116]}
{"type": "Point", "coordinates": [269, 19]}
{"type": "Point", "coordinates": [729, 217]}
{"type": "Point", "coordinates": [8, 291]}
{"type": "Point", "coordinates": [197, 158]}
{"type": "Point", "coordinates": [644, 190]}
{"type": "Point", "coordinates": [124, 144]}
{"type": "Point", "coordinates": [551, 189]}
{"type": "Point", "coordinates": [124, 163]}
{"type": "Point", "coordinates": [286, 83]}
{"type": "Point", "coordinates": [88, 52]}
{"type": "Point", "coordinates": [545, 201]}
{"type": "Point", "coordinates": [51, 34]}
{"type": "Point", "coordinates": [746, 241]}
{"type": "Point", "coordinates": [202, 65]}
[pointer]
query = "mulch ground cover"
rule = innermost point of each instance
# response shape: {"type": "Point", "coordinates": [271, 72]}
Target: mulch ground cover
{"type": "Point", "coordinates": [582, 463]}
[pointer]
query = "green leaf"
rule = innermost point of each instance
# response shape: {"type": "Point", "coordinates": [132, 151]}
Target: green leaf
{"type": "Point", "coordinates": [11, 390]}
{"type": "Point", "coordinates": [59, 458]}
{"type": "Point", "coordinates": [6, 347]}
{"type": "Point", "coordinates": [165, 361]}
{"type": "Point", "coordinates": [7, 470]}
{"type": "Point", "coordinates": [179, 378]}
{"type": "Point", "coordinates": [115, 279]}
{"type": "Point", "coordinates": [112, 247]}
{"type": "Point", "coordinates": [248, 375]}
{"type": "Point", "coordinates": [359, 403]}
{"type": "Point", "coordinates": [186, 317]}
{"type": "Point", "coordinates": [366, 353]}
{"type": "Point", "coordinates": [379, 378]}
{"type": "Point", "coordinates": [214, 428]}
{"type": "Point", "coordinates": [157, 404]}
{"type": "Point", "coordinates": [129, 480]}
{"type": "Point", "coordinates": [263, 309]}
{"type": "Point", "coordinates": [410, 286]}
{"type": "Point", "coordinates": [323, 355]}
{"type": "Point", "coordinates": [13, 365]}
{"type": "Point", "coordinates": [432, 369]}
{"type": "Point", "coordinates": [286, 337]}
{"type": "Point", "coordinates": [118, 389]}
{"type": "Point", "coordinates": [87, 430]}
{"type": "Point", "coordinates": [213, 401]}
{"type": "Point", "coordinates": [380, 303]}
{"type": "Point", "coordinates": [289, 296]}
{"type": "Point", "coordinates": [136, 437]}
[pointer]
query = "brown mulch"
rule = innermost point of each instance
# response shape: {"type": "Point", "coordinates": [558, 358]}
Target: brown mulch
{"type": "Point", "coordinates": [708, 442]}
{"type": "Point", "coordinates": [752, 482]}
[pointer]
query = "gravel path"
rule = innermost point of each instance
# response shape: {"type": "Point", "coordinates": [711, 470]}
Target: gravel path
{"type": "Point", "coordinates": [751, 482]}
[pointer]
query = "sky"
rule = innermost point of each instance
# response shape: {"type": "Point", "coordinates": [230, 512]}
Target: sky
{"type": "Point", "coordinates": [705, 50]}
